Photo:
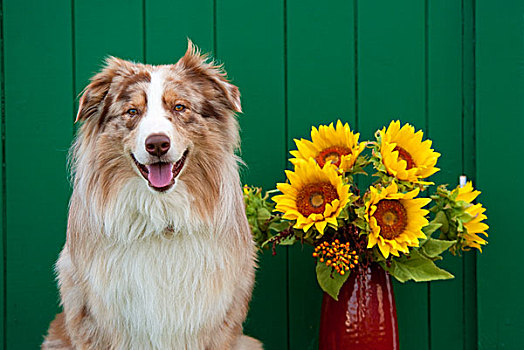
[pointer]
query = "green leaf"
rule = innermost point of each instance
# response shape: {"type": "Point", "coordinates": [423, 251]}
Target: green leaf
{"type": "Point", "coordinates": [279, 226]}
{"type": "Point", "coordinates": [289, 240]}
{"type": "Point", "coordinates": [431, 227]}
{"type": "Point", "coordinates": [360, 211]}
{"type": "Point", "coordinates": [330, 282]}
{"type": "Point", "coordinates": [269, 241]}
{"type": "Point", "coordinates": [343, 214]}
{"type": "Point", "coordinates": [361, 224]}
{"type": "Point", "coordinates": [263, 215]}
{"type": "Point", "coordinates": [465, 217]}
{"type": "Point", "coordinates": [442, 219]}
{"type": "Point", "coordinates": [434, 247]}
{"type": "Point", "coordinates": [416, 267]}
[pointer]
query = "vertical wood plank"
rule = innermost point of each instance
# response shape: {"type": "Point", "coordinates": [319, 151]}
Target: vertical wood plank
{"type": "Point", "coordinates": [2, 183]}
{"type": "Point", "coordinates": [499, 125]}
{"type": "Point", "coordinates": [392, 85]}
{"type": "Point", "coordinates": [469, 166]}
{"type": "Point", "coordinates": [444, 48]}
{"type": "Point", "coordinates": [106, 28]}
{"type": "Point", "coordinates": [320, 90]}
{"type": "Point", "coordinates": [391, 63]}
{"type": "Point", "coordinates": [250, 42]}
{"type": "Point", "coordinates": [168, 25]}
{"type": "Point", "coordinates": [38, 106]}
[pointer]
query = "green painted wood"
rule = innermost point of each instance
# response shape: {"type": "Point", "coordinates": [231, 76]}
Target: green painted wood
{"type": "Point", "coordinates": [499, 122]}
{"type": "Point", "coordinates": [469, 294]}
{"type": "Point", "coordinates": [399, 63]}
{"type": "Point", "coordinates": [254, 60]}
{"type": "Point", "coordinates": [168, 25]}
{"type": "Point", "coordinates": [392, 85]}
{"type": "Point", "coordinates": [444, 54]}
{"type": "Point", "coordinates": [106, 28]}
{"type": "Point", "coordinates": [469, 297]}
{"type": "Point", "coordinates": [38, 106]}
{"type": "Point", "coordinates": [320, 89]}
{"type": "Point", "coordinates": [268, 317]}
{"type": "Point", "coordinates": [2, 199]}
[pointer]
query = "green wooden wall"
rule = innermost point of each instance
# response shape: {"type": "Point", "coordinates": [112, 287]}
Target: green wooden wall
{"type": "Point", "coordinates": [451, 67]}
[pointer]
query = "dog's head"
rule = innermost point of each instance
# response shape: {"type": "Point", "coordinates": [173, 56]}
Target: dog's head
{"type": "Point", "coordinates": [157, 122]}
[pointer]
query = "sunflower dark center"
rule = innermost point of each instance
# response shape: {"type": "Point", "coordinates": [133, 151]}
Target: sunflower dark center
{"type": "Point", "coordinates": [332, 154]}
{"type": "Point", "coordinates": [404, 155]}
{"type": "Point", "coordinates": [312, 198]}
{"type": "Point", "coordinates": [392, 218]}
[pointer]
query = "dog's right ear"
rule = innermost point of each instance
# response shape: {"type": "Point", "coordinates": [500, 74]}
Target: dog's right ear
{"type": "Point", "coordinates": [96, 91]}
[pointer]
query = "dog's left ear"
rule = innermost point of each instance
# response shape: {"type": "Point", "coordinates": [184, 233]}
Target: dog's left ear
{"type": "Point", "coordinates": [198, 63]}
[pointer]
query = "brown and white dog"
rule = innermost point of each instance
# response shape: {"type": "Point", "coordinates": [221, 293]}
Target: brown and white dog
{"type": "Point", "coordinates": [159, 254]}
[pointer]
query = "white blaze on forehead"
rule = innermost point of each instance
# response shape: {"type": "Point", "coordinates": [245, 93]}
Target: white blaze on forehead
{"type": "Point", "coordinates": [155, 120]}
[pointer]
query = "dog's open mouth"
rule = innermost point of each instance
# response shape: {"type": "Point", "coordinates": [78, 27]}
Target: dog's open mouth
{"type": "Point", "coordinates": [161, 176]}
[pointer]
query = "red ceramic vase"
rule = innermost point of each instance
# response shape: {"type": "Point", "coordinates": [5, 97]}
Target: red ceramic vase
{"type": "Point", "coordinates": [364, 317]}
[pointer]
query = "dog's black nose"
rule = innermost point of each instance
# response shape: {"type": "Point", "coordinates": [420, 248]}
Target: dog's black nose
{"type": "Point", "coordinates": [157, 144]}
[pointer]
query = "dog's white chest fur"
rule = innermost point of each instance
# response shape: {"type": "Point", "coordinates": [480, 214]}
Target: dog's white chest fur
{"type": "Point", "coordinates": [162, 290]}
{"type": "Point", "coordinates": [159, 289]}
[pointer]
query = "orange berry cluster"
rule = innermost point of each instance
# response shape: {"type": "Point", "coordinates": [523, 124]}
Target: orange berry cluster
{"type": "Point", "coordinates": [337, 255]}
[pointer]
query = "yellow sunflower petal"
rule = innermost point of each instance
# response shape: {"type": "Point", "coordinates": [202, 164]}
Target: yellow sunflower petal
{"type": "Point", "coordinates": [467, 193]}
{"type": "Point", "coordinates": [313, 196]}
{"type": "Point", "coordinates": [396, 223]}
{"type": "Point", "coordinates": [476, 227]}
{"type": "Point", "coordinates": [405, 155]}
{"type": "Point", "coordinates": [372, 241]}
{"type": "Point", "coordinates": [308, 226]}
{"type": "Point", "coordinates": [320, 226]}
{"type": "Point", "coordinates": [330, 144]}
{"type": "Point", "coordinates": [384, 249]}
{"type": "Point", "coordinates": [332, 220]}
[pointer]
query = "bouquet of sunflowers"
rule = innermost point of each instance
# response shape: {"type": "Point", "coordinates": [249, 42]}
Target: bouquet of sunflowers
{"type": "Point", "coordinates": [393, 222]}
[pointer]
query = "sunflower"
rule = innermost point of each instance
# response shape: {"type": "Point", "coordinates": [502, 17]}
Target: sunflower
{"type": "Point", "coordinates": [475, 226]}
{"type": "Point", "coordinates": [395, 219]}
{"type": "Point", "coordinates": [405, 155]}
{"type": "Point", "coordinates": [466, 193]}
{"type": "Point", "coordinates": [313, 196]}
{"type": "Point", "coordinates": [336, 145]}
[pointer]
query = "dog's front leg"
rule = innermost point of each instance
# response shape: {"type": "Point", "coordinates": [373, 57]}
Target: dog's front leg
{"type": "Point", "coordinates": [247, 343]}
{"type": "Point", "coordinates": [228, 335]}
{"type": "Point", "coordinates": [76, 326]}
{"type": "Point", "coordinates": [225, 335]}
{"type": "Point", "coordinates": [57, 337]}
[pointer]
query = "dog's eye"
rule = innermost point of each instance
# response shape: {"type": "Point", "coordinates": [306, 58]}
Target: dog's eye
{"type": "Point", "coordinates": [179, 108]}
{"type": "Point", "coordinates": [132, 111]}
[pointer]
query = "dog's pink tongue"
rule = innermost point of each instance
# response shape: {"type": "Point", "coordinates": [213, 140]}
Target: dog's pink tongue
{"type": "Point", "coordinates": [160, 174]}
